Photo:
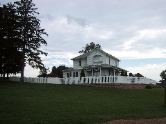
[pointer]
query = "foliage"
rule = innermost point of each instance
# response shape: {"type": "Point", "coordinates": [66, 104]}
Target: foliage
{"type": "Point", "coordinates": [163, 75]}
{"type": "Point", "coordinates": [89, 47]}
{"type": "Point", "coordinates": [28, 103]}
{"type": "Point", "coordinates": [138, 75]}
{"type": "Point", "coordinates": [148, 86]}
{"type": "Point", "coordinates": [43, 72]}
{"type": "Point", "coordinates": [123, 73]}
{"type": "Point", "coordinates": [10, 56]}
{"type": "Point", "coordinates": [31, 35]}
{"type": "Point", "coordinates": [56, 72]}
{"type": "Point", "coordinates": [20, 37]}
{"type": "Point", "coordinates": [131, 75]}
{"type": "Point", "coordinates": [82, 74]}
{"type": "Point", "coordinates": [163, 81]}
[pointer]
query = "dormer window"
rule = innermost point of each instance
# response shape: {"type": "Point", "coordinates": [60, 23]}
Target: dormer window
{"type": "Point", "coordinates": [79, 62]}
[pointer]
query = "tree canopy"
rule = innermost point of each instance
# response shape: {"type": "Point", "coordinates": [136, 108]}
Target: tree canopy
{"type": "Point", "coordinates": [20, 37]}
{"type": "Point", "coordinates": [55, 72]}
{"type": "Point", "coordinates": [31, 35]}
{"type": "Point", "coordinates": [10, 56]}
{"type": "Point", "coordinates": [163, 76]}
{"type": "Point", "coordinates": [89, 47]}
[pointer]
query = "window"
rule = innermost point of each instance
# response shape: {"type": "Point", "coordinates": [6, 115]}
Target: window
{"type": "Point", "coordinates": [76, 74]}
{"type": "Point", "coordinates": [79, 62]}
{"type": "Point", "coordinates": [67, 74]}
{"type": "Point", "coordinates": [97, 59]}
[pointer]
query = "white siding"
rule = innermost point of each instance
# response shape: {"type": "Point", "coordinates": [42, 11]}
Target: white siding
{"type": "Point", "coordinates": [76, 63]}
{"type": "Point", "coordinates": [91, 55]}
{"type": "Point", "coordinates": [114, 62]}
{"type": "Point", "coordinates": [104, 59]}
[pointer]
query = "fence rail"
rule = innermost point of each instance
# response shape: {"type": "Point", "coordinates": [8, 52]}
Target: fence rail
{"type": "Point", "coordinates": [89, 80]}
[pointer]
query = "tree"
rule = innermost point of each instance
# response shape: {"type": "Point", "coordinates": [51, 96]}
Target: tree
{"type": "Point", "coordinates": [131, 75]}
{"type": "Point", "coordinates": [57, 72]}
{"type": "Point", "coordinates": [53, 72]}
{"type": "Point", "coordinates": [82, 74]}
{"type": "Point", "coordinates": [163, 75]}
{"type": "Point", "coordinates": [90, 47]}
{"type": "Point", "coordinates": [43, 72]}
{"type": "Point", "coordinates": [123, 73]}
{"type": "Point", "coordinates": [163, 81]}
{"type": "Point", "coordinates": [30, 35]}
{"type": "Point", "coordinates": [138, 75]}
{"type": "Point", "coordinates": [9, 55]}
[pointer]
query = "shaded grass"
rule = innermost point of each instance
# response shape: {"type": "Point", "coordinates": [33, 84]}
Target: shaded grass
{"type": "Point", "coordinates": [63, 104]}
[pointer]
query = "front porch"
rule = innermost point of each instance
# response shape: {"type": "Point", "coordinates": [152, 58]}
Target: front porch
{"type": "Point", "coordinates": [95, 71]}
{"type": "Point", "coordinates": [104, 70]}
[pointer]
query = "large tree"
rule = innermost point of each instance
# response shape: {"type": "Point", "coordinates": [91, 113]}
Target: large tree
{"type": "Point", "coordinates": [30, 34]}
{"type": "Point", "coordinates": [9, 38]}
{"type": "Point", "coordinates": [163, 81]}
{"type": "Point", "coordinates": [89, 47]}
{"type": "Point", "coordinates": [57, 72]}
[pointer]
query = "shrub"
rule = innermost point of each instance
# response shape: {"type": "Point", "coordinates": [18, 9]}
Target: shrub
{"type": "Point", "coordinates": [148, 87]}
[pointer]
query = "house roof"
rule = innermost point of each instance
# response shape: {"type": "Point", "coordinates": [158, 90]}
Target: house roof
{"type": "Point", "coordinates": [86, 54]}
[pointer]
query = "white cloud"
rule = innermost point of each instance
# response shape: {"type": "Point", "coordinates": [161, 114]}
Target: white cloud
{"type": "Point", "coordinates": [135, 54]}
{"type": "Point", "coordinates": [149, 70]}
{"type": "Point", "coordinates": [142, 35]}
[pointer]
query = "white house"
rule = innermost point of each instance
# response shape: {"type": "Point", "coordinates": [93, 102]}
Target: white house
{"type": "Point", "coordinates": [98, 67]}
{"type": "Point", "coordinates": [95, 63]}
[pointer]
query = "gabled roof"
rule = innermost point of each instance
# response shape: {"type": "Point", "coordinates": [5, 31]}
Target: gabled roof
{"type": "Point", "coordinates": [86, 54]}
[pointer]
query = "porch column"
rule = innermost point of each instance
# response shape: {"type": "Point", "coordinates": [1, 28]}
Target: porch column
{"type": "Point", "coordinates": [100, 71]}
{"type": "Point", "coordinates": [92, 72]}
{"type": "Point", "coordinates": [114, 76]}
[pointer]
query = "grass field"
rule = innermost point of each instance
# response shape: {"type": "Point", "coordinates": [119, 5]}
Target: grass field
{"type": "Point", "coordinates": [23, 103]}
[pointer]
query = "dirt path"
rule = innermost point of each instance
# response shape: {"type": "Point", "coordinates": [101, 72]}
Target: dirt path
{"type": "Point", "coordinates": [141, 121]}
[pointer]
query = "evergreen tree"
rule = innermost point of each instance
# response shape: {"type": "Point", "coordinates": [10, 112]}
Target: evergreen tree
{"type": "Point", "coordinates": [9, 55]}
{"type": "Point", "coordinates": [30, 35]}
{"type": "Point", "coordinates": [57, 72]}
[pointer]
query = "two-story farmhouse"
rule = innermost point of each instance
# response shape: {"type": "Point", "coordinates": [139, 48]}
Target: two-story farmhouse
{"type": "Point", "coordinates": [94, 63]}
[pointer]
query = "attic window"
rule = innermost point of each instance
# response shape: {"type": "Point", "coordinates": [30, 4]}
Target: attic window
{"type": "Point", "coordinates": [97, 59]}
{"type": "Point", "coordinates": [79, 62]}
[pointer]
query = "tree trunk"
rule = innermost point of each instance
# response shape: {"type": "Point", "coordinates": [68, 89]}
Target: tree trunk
{"type": "Point", "coordinates": [23, 63]}
{"type": "Point", "coordinates": [22, 70]}
{"type": "Point", "coordinates": [3, 75]}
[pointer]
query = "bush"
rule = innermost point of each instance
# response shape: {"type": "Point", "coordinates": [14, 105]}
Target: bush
{"type": "Point", "coordinates": [148, 87]}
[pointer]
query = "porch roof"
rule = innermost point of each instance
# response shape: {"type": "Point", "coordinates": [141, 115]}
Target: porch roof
{"type": "Point", "coordinates": [105, 66]}
{"type": "Point", "coordinates": [96, 66]}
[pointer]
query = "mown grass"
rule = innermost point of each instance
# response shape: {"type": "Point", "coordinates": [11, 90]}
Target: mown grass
{"type": "Point", "coordinates": [24, 103]}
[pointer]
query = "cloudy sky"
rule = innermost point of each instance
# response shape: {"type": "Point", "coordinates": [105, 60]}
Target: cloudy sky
{"type": "Point", "coordinates": [132, 30]}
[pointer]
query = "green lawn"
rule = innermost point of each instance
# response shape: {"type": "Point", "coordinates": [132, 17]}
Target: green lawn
{"type": "Point", "coordinates": [23, 103]}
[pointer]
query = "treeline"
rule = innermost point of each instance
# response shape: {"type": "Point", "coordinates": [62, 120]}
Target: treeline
{"type": "Point", "coordinates": [135, 75]}
{"type": "Point", "coordinates": [20, 38]}
{"type": "Point", "coordinates": [55, 72]}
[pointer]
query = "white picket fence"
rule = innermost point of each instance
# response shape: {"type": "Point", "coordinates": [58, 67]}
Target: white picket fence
{"type": "Point", "coordinates": [89, 80]}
